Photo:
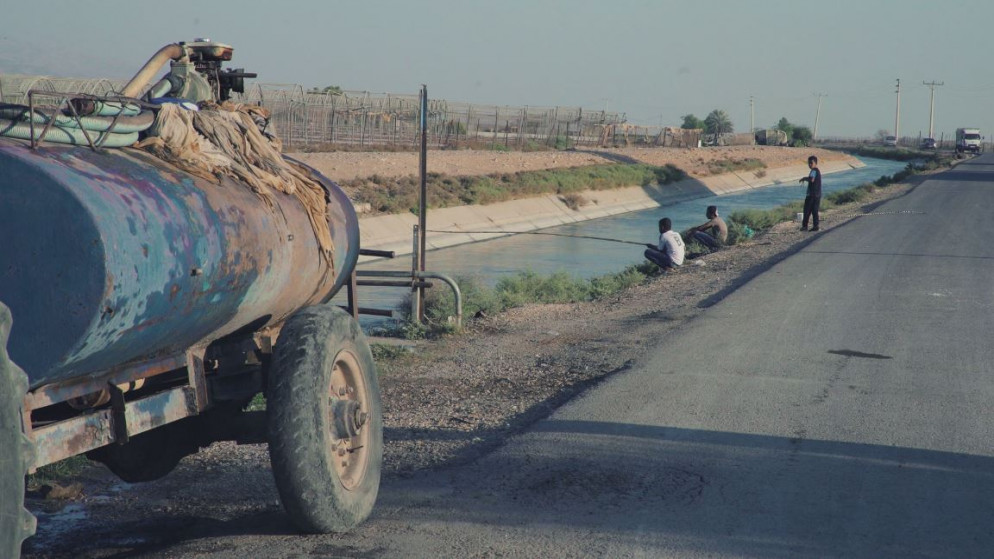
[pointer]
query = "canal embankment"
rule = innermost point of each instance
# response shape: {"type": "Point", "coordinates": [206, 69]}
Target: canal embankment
{"type": "Point", "coordinates": [458, 225]}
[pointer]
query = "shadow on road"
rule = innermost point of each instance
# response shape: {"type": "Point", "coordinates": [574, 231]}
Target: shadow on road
{"type": "Point", "coordinates": [646, 489]}
{"type": "Point", "coordinates": [653, 490]}
{"type": "Point", "coordinates": [980, 169]}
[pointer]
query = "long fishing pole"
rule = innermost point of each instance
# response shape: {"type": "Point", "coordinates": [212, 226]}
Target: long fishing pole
{"type": "Point", "coordinates": [612, 240]}
{"type": "Point", "coordinates": [540, 233]}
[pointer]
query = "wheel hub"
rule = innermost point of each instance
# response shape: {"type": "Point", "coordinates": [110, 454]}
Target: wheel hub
{"type": "Point", "coordinates": [347, 418]}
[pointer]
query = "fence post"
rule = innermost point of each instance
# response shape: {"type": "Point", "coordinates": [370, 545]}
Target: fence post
{"type": "Point", "coordinates": [554, 128]}
{"type": "Point", "coordinates": [333, 109]}
{"type": "Point", "coordinates": [579, 125]}
{"type": "Point", "coordinates": [521, 126]}
{"type": "Point", "coordinates": [496, 126]}
{"type": "Point", "coordinates": [415, 291]}
{"type": "Point", "coordinates": [362, 130]}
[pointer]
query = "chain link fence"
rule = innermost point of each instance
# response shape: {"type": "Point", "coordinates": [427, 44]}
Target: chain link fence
{"type": "Point", "coordinates": [314, 121]}
{"type": "Point", "coordinates": [307, 120]}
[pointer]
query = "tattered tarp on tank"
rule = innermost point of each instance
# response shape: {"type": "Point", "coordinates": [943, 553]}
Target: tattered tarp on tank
{"type": "Point", "coordinates": [225, 140]}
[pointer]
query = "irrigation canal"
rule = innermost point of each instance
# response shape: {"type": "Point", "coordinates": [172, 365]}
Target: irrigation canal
{"type": "Point", "coordinates": [488, 261]}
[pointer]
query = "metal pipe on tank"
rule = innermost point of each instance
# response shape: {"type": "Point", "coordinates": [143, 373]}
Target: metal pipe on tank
{"type": "Point", "coordinates": [134, 87]}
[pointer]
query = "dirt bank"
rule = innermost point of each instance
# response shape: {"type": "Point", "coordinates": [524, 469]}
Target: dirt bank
{"type": "Point", "coordinates": [343, 166]}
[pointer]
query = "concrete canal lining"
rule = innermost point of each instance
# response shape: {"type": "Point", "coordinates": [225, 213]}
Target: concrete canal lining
{"type": "Point", "coordinates": [395, 232]}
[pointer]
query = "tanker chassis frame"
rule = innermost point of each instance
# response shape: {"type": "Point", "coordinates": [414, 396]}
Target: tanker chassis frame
{"type": "Point", "coordinates": [163, 409]}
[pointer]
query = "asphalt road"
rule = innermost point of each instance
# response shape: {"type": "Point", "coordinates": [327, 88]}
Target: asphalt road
{"type": "Point", "coordinates": [836, 405]}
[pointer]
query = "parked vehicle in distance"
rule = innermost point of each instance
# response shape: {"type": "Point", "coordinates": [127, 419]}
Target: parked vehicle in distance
{"type": "Point", "coordinates": [929, 143]}
{"type": "Point", "coordinates": [890, 141]}
{"type": "Point", "coordinates": [968, 139]}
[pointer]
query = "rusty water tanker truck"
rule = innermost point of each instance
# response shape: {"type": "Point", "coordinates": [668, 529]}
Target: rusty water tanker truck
{"type": "Point", "coordinates": [149, 292]}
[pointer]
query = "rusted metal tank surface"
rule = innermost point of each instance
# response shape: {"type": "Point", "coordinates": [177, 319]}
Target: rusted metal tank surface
{"type": "Point", "coordinates": [109, 257]}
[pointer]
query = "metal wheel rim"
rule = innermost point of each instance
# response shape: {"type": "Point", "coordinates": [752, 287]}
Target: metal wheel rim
{"type": "Point", "coordinates": [350, 455]}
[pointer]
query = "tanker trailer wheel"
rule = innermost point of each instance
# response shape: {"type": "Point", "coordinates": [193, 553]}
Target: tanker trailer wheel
{"type": "Point", "coordinates": [16, 523]}
{"type": "Point", "coordinates": [325, 423]}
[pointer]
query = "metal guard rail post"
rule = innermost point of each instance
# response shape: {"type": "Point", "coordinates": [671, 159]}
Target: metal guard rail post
{"type": "Point", "coordinates": [420, 276]}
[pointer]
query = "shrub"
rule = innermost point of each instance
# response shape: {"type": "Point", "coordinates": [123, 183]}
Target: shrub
{"type": "Point", "coordinates": [455, 127]}
{"type": "Point", "coordinates": [851, 195]}
{"type": "Point", "coordinates": [613, 283]}
{"type": "Point", "coordinates": [574, 201]}
{"type": "Point", "coordinates": [693, 246]}
{"type": "Point", "coordinates": [721, 166]}
{"type": "Point", "coordinates": [738, 232]}
{"type": "Point", "coordinates": [513, 291]}
{"type": "Point", "coordinates": [760, 220]}
{"type": "Point", "coordinates": [529, 287]}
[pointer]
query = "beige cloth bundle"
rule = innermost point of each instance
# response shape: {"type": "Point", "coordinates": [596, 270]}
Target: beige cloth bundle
{"type": "Point", "coordinates": [224, 140]}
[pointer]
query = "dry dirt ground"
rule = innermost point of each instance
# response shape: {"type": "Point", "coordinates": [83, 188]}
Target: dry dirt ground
{"type": "Point", "coordinates": [445, 403]}
{"type": "Point", "coordinates": [344, 166]}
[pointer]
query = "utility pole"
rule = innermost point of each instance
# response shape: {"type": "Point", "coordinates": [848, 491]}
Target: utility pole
{"type": "Point", "coordinates": [897, 115]}
{"type": "Point", "coordinates": [931, 107]}
{"type": "Point", "coordinates": [814, 133]}
{"type": "Point", "coordinates": [423, 201]}
{"type": "Point", "coordinates": [752, 115]}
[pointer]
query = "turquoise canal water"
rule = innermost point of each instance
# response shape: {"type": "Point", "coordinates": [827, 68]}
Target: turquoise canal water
{"type": "Point", "coordinates": [488, 261]}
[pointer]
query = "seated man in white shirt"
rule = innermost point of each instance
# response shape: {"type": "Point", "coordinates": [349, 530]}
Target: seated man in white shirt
{"type": "Point", "coordinates": [669, 252]}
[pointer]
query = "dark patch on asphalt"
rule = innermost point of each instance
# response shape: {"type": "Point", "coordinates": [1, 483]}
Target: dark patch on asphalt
{"type": "Point", "coordinates": [851, 353]}
{"type": "Point", "coordinates": [593, 486]}
{"type": "Point", "coordinates": [331, 550]}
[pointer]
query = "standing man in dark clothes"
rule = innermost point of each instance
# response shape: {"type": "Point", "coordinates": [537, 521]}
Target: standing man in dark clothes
{"type": "Point", "coordinates": [813, 199]}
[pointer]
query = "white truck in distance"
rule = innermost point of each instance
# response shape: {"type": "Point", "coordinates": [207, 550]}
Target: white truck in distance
{"type": "Point", "coordinates": [968, 139]}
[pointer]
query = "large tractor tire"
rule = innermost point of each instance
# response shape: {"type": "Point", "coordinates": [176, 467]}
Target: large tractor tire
{"type": "Point", "coordinates": [325, 421]}
{"type": "Point", "coordinates": [16, 523]}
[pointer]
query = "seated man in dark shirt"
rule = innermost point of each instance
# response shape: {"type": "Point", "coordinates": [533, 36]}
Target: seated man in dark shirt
{"type": "Point", "coordinates": [713, 233]}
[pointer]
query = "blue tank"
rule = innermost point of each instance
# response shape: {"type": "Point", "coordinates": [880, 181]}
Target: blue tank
{"type": "Point", "coordinates": [114, 256]}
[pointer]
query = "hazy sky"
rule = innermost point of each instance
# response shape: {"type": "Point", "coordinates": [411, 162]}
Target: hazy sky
{"type": "Point", "coordinates": [653, 60]}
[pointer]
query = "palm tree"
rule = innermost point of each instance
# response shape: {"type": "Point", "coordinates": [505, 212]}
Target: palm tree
{"type": "Point", "coordinates": [717, 122]}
